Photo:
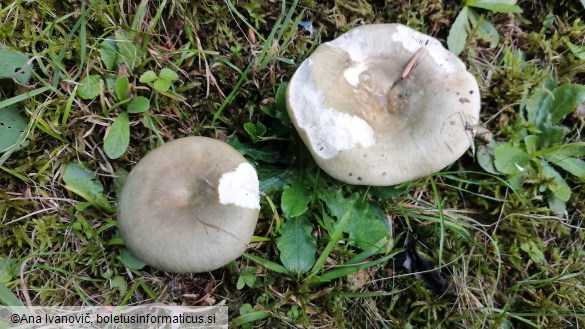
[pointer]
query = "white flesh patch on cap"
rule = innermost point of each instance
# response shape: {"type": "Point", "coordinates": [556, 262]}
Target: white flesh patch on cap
{"type": "Point", "coordinates": [354, 43]}
{"type": "Point", "coordinates": [352, 74]}
{"type": "Point", "coordinates": [414, 40]}
{"type": "Point", "coordinates": [333, 131]}
{"type": "Point", "coordinates": [240, 187]}
{"type": "Point", "coordinates": [328, 130]}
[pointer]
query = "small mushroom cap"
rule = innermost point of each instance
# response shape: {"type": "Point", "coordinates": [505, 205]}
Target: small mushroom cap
{"type": "Point", "coordinates": [383, 104]}
{"type": "Point", "coordinates": [190, 205]}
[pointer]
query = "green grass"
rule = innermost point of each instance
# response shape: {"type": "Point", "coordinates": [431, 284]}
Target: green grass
{"type": "Point", "coordinates": [512, 260]}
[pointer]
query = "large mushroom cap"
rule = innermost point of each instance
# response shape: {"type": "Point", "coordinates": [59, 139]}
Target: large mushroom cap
{"type": "Point", "coordinates": [190, 205]}
{"type": "Point", "coordinates": [383, 104]}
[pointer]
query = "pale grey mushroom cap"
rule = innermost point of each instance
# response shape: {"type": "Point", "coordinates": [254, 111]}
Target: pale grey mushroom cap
{"type": "Point", "coordinates": [190, 205]}
{"type": "Point", "coordinates": [366, 125]}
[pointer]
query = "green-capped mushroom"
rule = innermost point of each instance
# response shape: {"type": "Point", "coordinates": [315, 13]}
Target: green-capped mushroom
{"type": "Point", "coordinates": [190, 205]}
{"type": "Point", "coordinates": [383, 104]}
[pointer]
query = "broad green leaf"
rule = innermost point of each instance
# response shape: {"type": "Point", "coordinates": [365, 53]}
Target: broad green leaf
{"type": "Point", "coordinates": [241, 283]}
{"type": "Point", "coordinates": [384, 193]}
{"type": "Point", "coordinates": [280, 108]}
{"type": "Point", "coordinates": [168, 74]}
{"type": "Point", "coordinates": [501, 6]}
{"type": "Point", "coordinates": [540, 100]}
{"type": "Point", "coordinates": [531, 142]}
{"type": "Point", "coordinates": [7, 297]}
{"type": "Point", "coordinates": [162, 85]}
{"type": "Point", "coordinates": [148, 76]}
{"type": "Point", "coordinates": [119, 283]}
{"type": "Point", "coordinates": [338, 205]}
{"type": "Point", "coordinates": [273, 180]}
{"type": "Point", "coordinates": [343, 213]}
{"type": "Point", "coordinates": [12, 128]}
{"type": "Point", "coordinates": [556, 205]}
{"type": "Point", "coordinates": [89, 87]}
{"type": "Point", "coordinates": [296, 245]}
{"type": "Point", "coordinates": [295, 198]}
{"type": "Point", "coordinates": [458, 32]}
{"type": "Point", "coordinates": [510, 159]}
{"type": "Point", "coordinates": [576, 150]}
{"type": "Point", "coordinates": [280, 98]}
{"type": "Point", "coordinates": [109, 53]}
{"type": "Point", "coordinates": [9, 268]}
{"type": "Point", "coordinates": [250, 278]}
{"type": "Point", "coordinates": [122, 88]}
{"type": "Point", "coordinates": [578, 51]}
{"type": "Point", "coordinates": [111, 85]}
{"type": "Point", "coordinates": [485, 158]}
{"type": "Point", "coordinates": [14, 65]}
{"type": "Point", "coordinates": [129, 260]}
{"type": "Point", "coordinates": [551, 135]}
{"type": "Point", "coordinates": [84, 183]}
{"type": "Point", "coordinates": [367, 224]}
{"type": "Point", "coordinates": [253, 152]}
{"type": "Point", "coordinates": [572, 165]}
{"type": "Point", "coordinates": [565, 99]}
{"type": "Point", "coordinates": [255, 130]}
{"type": "Point", "coordinates": [268, 110]}
{"type": "Point", "coordinates": [118, 137]}
{"type": "Point", "coordinates": [484, 29]}
{"type": "Point", "coordinates": [557, 183]}
{"type": "Point", "coordinates": [138, 105]}
{"type": "Point", "coordinates": [82, 206]}
{"type": "Point", "coordinates": [127, 50]}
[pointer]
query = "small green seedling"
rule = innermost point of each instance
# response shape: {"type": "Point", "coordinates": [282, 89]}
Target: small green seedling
{"type": "Point", "coordinates": [256, 131]}
{"type": "Point", "coordinates": [134, 105]}
{"type": "Point", "coordinates": [117, 138]}
{"type": "Point", "coordinates": [247, 277]}
{"type": "Point", "coordinates": [248, 315]}
{"type": "Point", "coordinates": [161, 83]}
{"type": "Point", "coordinates": [114, 51]}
